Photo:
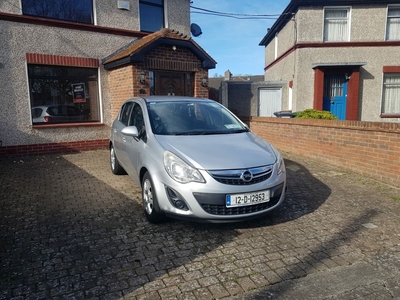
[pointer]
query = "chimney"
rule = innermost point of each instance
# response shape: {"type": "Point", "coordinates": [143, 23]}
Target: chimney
{"type": "Point", "coordinates": [228, 75]}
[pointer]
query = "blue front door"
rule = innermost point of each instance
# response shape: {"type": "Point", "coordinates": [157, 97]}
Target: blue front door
{"type": "Point", "coordinates": [335, 95]}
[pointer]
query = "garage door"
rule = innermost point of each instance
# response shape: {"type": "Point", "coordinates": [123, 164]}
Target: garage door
{"type": "Point", "coordinates": [270, 101]}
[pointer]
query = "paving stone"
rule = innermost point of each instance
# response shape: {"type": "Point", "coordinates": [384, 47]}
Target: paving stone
{"type": "Point", "coordinates": [189, 286]}
{"type": "Point", "coordinates": [218, 291]}
{"type": "Point", "coordinates": [233, 287]}
{"type": "Point", "coordinates": [202, 293]}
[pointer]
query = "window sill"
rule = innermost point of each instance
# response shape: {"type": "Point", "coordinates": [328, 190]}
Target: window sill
{"type": "Point", "coordinates": [64, 125]}
{"type": "Point", "coordinates": [390, 115]}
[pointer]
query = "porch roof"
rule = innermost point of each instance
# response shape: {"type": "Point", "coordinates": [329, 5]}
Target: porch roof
{"type": "Point", "coordinates": [135, 51]}
{"type": "Point", "coordinates": [341, 64]}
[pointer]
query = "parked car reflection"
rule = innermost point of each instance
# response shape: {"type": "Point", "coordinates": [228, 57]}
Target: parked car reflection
{"type": "Point", "coordinates": [56, 114]}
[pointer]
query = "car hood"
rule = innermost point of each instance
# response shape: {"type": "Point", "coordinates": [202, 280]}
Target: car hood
{"type": "Point", "coordinates": [220, 151]}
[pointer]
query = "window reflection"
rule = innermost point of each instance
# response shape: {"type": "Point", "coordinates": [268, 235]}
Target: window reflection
{"type": "Point", "coordinates": [69, 10]}
{"type": "Point", "coordinates": [63, 94]}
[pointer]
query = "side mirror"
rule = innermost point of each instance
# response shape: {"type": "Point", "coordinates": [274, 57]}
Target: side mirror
{"type": "Point", "coordinates": [130, 131]}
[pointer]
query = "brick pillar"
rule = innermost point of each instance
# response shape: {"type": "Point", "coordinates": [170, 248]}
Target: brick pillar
{"type": "Point", "coordinates": [353, 96]}
{"type": "Point", "coordinates": [199, 90]}
{"type": "Point", "coordinates": [318, 89]}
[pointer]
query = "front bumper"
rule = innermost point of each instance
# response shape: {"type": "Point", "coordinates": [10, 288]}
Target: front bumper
{"type": "Point", "coordinates": [219, 213]}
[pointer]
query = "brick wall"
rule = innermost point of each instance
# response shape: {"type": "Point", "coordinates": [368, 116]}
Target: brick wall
{"type": "Point", "coordinates": [121, 87]}
{"type": "Point", "coordinates": [48, 59]}
{"type": "Point", "coordinates": [368, 148]}
{"type": "Point", "coordinates": [47, 148]}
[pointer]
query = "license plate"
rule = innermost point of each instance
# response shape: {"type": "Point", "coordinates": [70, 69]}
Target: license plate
{"type": "Point", "coordinates": [247, 198]}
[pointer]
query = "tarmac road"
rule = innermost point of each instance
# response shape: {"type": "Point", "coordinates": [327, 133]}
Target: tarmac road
{"type": "Point", "coordinates": [70, 229]}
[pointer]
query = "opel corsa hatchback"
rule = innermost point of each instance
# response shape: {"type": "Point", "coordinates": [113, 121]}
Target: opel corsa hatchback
{"type": "Point", "coordinates": [195, 160]}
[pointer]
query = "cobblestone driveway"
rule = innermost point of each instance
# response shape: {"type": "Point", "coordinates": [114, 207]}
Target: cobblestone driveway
{"type": "Point", "coordinates": [69, 229]}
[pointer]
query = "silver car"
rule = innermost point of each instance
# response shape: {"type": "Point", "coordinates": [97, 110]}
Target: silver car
{"type": "Point", "coordinates": [195, 160]}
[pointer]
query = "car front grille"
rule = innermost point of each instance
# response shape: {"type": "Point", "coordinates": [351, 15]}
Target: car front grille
{"type": "Point", "coordinates": [240, 210]}
{"type": "Point", "coordinates": [236, 177]}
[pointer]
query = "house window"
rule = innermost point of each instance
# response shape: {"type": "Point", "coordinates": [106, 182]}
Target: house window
{"type": "Point", "coordinates": [336, 24]}
{"type": "Point", "coordinates": [391, 93]}
{"type": "Point", "coordinates": [151, 15]}
{"type": "Point", "coordinates": [393, 23]}
{"type": "Point", "coordinates": [68, 10]}
{"type": "Point", "coordinates": [63, 94]}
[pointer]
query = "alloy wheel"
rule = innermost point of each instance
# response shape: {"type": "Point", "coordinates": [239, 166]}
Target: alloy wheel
{"type": "Point", "coordinates": [148, 196]}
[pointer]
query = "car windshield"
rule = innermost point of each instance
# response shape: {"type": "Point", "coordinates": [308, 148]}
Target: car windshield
{"type": "Point", "coordinates": [192, 118]}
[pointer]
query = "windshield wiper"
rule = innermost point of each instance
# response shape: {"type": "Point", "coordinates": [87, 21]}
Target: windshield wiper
{"type": "Point", "coordinates": [212, 132]}
{"type": "Point", "coordinates": [239, 131]}
{"type": "Point", "coordinates": [202, 132]}
{"type": "Point", "coordinates": [191, 133]}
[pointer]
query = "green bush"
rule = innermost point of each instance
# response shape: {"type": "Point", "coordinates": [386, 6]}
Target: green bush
{"type": "Point", "coordinates": [315, 114]}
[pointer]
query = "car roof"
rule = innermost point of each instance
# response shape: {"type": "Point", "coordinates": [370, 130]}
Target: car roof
{"type": "Point", "coordinates": [169, 99]}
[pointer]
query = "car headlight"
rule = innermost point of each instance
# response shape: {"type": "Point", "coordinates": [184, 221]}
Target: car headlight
{"type": "Point", "coordinates": [179, 170]}
{"type": "Point", "coordinates": [281, 166]}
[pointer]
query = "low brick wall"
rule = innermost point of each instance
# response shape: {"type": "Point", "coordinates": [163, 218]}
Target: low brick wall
{"type": "Point", "coordinates": [368, 148]}
{"type": "Point", "coordinates": [47, 148]}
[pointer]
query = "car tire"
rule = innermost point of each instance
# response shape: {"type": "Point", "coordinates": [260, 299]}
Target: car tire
{"type": "Point", "coordinates": [114, 163]}
{"type": "Point", "coordinates": [152, 211]}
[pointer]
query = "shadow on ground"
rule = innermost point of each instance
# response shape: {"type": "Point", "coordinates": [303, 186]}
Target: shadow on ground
{"type": "Point", "coordinates": [70, 229]}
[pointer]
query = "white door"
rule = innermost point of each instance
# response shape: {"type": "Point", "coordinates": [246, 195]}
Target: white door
{"type": "Point", "coordinates": [270, 101]}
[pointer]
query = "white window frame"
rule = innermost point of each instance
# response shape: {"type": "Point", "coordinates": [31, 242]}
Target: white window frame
{"type": "Point", "coordinates": [348, 8]}
{"type": "Point", "coordinates": [395, 84]}
{"type": "Point", "coordinates": [387, 24]}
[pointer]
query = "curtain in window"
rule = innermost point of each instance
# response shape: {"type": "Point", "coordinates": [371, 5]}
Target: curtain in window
{"type": "Point", "coordinates": [336, 25]}
{"type": "Point", "coordinates": [391, 94]}
{"type": "Point", "coordinates": [393, 24]}
{"type": "Point", "coordinates": [334, 87]}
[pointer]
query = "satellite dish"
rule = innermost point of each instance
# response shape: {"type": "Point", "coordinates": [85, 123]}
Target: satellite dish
{"type": "Point", "coordinates": [195, 30]}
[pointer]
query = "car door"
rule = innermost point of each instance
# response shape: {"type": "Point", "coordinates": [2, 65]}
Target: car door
{"type": "Point", "coordinates": [119, 140]}
{"type": "Point", "coordinates": [134, 145]}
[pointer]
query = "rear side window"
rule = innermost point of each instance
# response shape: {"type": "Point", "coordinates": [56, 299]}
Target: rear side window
{"type": "Point", "coordinates": [73, 111]}
{"type": "Point", "coordinates": [36, 112]}
{"type": "Point", "coordinates": [125, 112]}
{"type": "Point", "coordinates": [54, 111]}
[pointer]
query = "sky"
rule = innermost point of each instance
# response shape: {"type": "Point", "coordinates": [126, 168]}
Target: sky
{"type": "Point", "coordinates": [234, 43]}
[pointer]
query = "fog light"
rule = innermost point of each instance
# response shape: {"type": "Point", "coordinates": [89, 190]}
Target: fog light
{"type": "Point", "coordinates": [180, 204]}
{"type": "Point", "coordinates": [176, 199]}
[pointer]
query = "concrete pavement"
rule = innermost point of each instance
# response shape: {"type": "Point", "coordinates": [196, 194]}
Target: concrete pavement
{"type": "Point", "coordinates": [70, 229]}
